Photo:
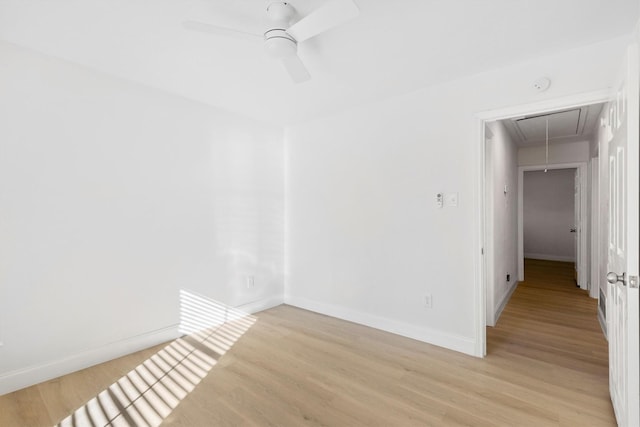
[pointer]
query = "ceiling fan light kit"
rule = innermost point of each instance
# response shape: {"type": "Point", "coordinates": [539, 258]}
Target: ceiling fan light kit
{"type": "Point", "coordinates": [281, 38]}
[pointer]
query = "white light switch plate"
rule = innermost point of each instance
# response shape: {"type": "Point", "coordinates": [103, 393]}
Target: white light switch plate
{"type": "Point", "coordinates": [451, 199]}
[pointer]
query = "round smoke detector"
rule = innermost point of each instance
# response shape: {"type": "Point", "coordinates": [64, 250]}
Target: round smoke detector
{"type": "Point", "coordinates": [542, 84]}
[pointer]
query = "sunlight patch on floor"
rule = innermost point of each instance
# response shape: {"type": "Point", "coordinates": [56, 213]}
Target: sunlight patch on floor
{"type": "Point", "coordinates": [151, 391]}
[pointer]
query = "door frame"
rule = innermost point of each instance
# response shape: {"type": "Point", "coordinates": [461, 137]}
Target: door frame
{"type": "Point", "coordinates": [480, 237]}
{"type": "Point", "coordinates": [582, 262]}
{"type": "Point", "coordinates": [594, 220]}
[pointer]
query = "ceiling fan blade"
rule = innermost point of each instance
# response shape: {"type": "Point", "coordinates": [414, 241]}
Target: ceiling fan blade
{"type": "Point", "coordinates": [332, 14]}
{"type": "Point", "coordinates": [220, 31]}
{"type": "Point", "coordinates": [296, 69]}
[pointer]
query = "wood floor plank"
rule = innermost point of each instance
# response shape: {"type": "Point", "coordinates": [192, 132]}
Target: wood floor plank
{"type": "Point", "coordinates": [546, 366]}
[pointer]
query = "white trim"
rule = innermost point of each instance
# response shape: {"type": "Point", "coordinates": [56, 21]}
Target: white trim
{"type": "Point", "coordinates": [480, 243]}
{"type": "Point", "coordinates": [549, 257]}
{"type": "Point", "coordinates": [261, 305]}
{"type": "Point", "coordinates": [479, 237]}
{"type": "Point", "coordinates": [582, 262]}
{"type": "Point", "coordinates": [594, 212]}
{"type": "Point", "coordinates": [547, 106]}
{"type": "Point", "coordinates": [20, 378]}
{"type": "Point", "coordinates": [449, 341]}
{"type": "Point", "coordinates": [603, 324]}
{"type": "Point", "coordinates": [503, 303]}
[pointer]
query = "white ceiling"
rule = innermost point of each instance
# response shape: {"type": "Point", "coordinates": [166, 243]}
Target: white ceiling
{"type": "Point", "coordinates": [394, 46]}
{"type": "Point", "coordinates": [576, 124]}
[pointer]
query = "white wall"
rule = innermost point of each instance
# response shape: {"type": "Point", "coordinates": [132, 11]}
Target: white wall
{"type": "Point", "coordinates": [567, 152]}
{"type": "Point", "coordinates": [502, 219]}
{"type": "Point", "coordinates": [365, 240]}
{"type": "Point", "coordinates": [548, 215]}
{"type": "Point", "coordinates": [113, 198]}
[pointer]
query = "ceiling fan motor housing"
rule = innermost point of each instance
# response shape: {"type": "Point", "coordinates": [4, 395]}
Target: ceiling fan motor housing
{"type": "Point", "coordinates": [280, 12]}
{"type": "Point", "coordinates": [277, 42]}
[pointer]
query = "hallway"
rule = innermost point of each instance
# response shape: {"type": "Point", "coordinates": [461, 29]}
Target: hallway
{"type": "Point", "coordinates": [550, 327]}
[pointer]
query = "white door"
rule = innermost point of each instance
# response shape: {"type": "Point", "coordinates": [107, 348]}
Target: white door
{"type": "Point", "coordinates": [623, 252]}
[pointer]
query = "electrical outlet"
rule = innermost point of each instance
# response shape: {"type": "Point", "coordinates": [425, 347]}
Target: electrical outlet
{"type": "Point", "coordinates": [251, 282]}
{"type": "Point", "coordinates": [428, 301]}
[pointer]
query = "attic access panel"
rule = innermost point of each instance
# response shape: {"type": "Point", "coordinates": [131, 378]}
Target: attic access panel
{"type": "Point", "coordinates": [561, 124]}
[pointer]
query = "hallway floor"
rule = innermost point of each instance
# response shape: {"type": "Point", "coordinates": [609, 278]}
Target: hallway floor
{"type": "Point", "coordinates": [551, 326]}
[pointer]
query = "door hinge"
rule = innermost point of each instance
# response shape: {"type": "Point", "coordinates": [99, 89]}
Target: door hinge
{"type": "Point", "coordinates": [633, 282]}
{"type": "Point", "coordinates": [481, 251]}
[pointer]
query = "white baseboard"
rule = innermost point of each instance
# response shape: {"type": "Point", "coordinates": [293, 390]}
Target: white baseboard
{"type": "Point", "coordinates": [260, 305]}
{"type": "Point", "coordinates": [25, 377]}
{"type": "Point", "coordinates": [503, 303]}
{"type": "Point", "coordinates": [593, 289]}
{"type": "Point", "coordinates": [603, 324]}
{"type": "Point", "coordinates": [549, 257]}
{"type": "Point", "coordinates": [441, 339]}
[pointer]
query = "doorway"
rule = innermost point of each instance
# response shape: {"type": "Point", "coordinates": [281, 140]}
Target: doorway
{"type": "Point", "coordinates": [558, 222]}
{"type": "Point", "coordinates": [485, 291]}
{"type": "Point", "coordinates": [549, 211]}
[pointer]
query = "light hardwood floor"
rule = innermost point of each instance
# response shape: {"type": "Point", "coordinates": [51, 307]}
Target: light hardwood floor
{"type": "Point", "coordinates": [546, 366]}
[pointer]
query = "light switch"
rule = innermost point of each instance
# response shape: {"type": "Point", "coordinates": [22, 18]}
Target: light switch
{"type": "Point", "coordinates": [451, 199]}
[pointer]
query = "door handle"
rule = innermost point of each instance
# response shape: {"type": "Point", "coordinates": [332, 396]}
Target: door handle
{"type": "Point", "coordinates": [572, 230]}
{"type": "Point", "coordinates": [613, 278]}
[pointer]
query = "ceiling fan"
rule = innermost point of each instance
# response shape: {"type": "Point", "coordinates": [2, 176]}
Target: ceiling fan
{"type": "Point", "coordinates": [281, 38]}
